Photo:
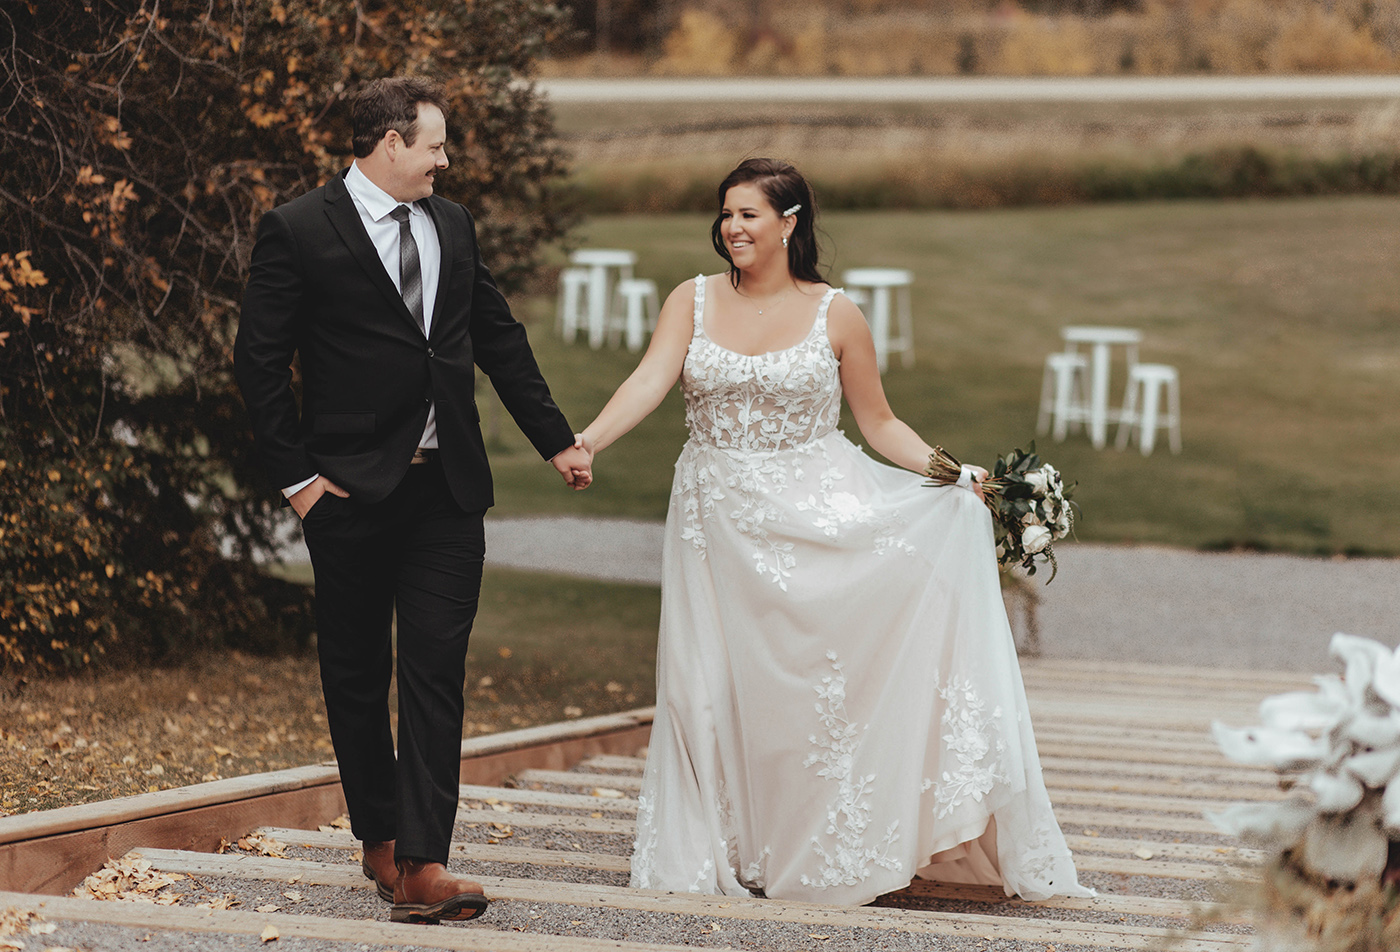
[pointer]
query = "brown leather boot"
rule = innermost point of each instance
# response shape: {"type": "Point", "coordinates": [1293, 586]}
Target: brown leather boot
{"type": "Point", "coordinates": [427, 892]}
{"type": "Point", "coordinates": [378, 866]}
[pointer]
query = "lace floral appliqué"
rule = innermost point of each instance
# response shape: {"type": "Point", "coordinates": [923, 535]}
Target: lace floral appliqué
{"type": "Point", "coordinates": [847, 860]}
{"type": "Point", "coordinates": [972, 736]}
{"type": "Point", "coordinates": [771, 409]}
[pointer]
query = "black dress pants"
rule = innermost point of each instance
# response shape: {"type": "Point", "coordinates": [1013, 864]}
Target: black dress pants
{"type": "Point", "coordinates": [418, 554]}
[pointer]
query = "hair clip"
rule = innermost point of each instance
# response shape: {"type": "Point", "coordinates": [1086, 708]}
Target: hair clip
{"type": "Point", "coordinates": [792, 211]}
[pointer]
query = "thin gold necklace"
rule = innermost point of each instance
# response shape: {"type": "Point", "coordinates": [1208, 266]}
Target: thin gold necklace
{"type": "Point", "coordinates": [770, 305]}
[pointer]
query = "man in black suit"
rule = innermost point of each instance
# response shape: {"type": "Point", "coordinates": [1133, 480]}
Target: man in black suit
{"type": "Point", "coordinates": [379, 286]}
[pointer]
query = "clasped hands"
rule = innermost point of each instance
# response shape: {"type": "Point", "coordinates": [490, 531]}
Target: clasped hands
{"type": "Point", "coordinates": [575, 464]}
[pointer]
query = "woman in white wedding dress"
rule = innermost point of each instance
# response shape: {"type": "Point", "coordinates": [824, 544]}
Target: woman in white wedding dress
{"type": "Point", "coordinates": [839, 705]}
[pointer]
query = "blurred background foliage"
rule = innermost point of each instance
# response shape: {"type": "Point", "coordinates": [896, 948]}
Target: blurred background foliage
{"type": "Point", "coordinates": [980, 37]}
{"type": "Point", "coordinates": [140, 142]}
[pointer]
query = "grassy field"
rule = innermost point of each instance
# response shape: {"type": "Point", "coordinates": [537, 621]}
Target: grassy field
{"type": "Point", "coordinates": [655, 157]}
{"type": "Point", "coordinates": [1281, 315]}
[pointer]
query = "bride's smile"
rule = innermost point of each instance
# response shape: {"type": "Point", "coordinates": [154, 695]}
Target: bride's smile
{"type": "Point", "coordinates": [753, 231]}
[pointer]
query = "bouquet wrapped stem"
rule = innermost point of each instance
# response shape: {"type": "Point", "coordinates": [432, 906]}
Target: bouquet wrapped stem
{"type": "Point", "coordinates": [1029, 501]}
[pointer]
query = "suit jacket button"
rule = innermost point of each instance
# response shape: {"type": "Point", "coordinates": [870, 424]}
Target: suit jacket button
{"type": "Point", "coordinates": [430, 352]}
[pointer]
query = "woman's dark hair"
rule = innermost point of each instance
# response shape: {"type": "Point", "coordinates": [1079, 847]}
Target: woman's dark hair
{"type": "Point", "coordinates": [784, 187]}
{"type": "Point", "coordinates": [392, 103]}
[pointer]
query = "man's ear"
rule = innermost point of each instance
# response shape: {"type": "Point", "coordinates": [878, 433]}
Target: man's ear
{"type": "Point", "coordinates": [393, 142]}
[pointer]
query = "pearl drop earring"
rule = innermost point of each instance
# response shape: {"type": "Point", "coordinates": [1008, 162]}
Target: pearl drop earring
{"type": "Point", "coordinates": [784, 241]}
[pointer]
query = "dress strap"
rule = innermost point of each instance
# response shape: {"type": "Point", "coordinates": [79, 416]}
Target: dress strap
{"type": "Point", "coordinates": [827, 298]}
{"type": "Point", "coordinates": [699, 303]}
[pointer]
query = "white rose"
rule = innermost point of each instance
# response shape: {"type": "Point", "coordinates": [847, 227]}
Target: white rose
{"type": "Point", "coordinates": [1062, 523]}
{"type": "Point", "coordinates": [1037, 481]}
{"type": "Point", "coordinates": [1035, 539]}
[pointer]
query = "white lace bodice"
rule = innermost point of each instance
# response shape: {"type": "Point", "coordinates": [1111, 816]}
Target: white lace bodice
{"type": "Point", "coordinates": [774, 401]}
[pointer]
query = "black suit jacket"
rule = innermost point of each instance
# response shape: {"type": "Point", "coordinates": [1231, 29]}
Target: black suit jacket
{"type": "Point", "coordinates": [317, 287]}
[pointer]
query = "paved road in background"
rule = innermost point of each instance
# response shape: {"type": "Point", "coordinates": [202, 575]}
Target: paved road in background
{"type": "Point", "coordinates": [1166, 606]}
{"type": "Point", "coordinates": [975, 89]}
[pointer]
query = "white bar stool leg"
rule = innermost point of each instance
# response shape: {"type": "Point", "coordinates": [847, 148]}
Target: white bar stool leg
{"type": "Point", "coordinates": [653, 310]}
{"type": "Point", "coordinates": [572, 283]}
{"type": "Point", "coordinates": [1127, 420]}
{"type": "Point", "coordinates": [636, 322]}
{"type": "Point", "coordinates": [880, 325]}
{"type": "Point", "coordinates": [1147, 432]}
{"type": "Point", "coordinates": [1174, 407]}
{"type": "Point", "coordinates": [906, 327]}
{"type": "Point", "coordinates": [1098, 397]}
{"type": "Point", "coordinates": [1047, 400]}
{"type": "Point", "coordinates": [1064, 397]}
{"type": "Point", "coordinates": [597, 306]}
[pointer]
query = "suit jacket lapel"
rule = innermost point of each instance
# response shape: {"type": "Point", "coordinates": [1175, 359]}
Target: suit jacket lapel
{"type": "Point", "coordinates": [444, 233]}
{"type": "Point", "coordinates": [341, 210]}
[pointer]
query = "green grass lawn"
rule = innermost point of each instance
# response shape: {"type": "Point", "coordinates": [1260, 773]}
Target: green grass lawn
{"type": "Point", "coordinates": [1281, 315]}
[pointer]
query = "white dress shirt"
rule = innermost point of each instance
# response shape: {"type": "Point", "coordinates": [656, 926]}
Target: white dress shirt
{"type": "Point", "coordinates": [374, 205]}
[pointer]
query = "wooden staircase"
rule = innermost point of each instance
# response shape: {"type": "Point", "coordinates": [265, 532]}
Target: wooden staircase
{"type": "Point", "coordinates": [1128, 762]}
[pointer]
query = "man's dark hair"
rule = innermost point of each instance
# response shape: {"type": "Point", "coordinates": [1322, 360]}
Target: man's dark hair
{"type": "Point", "coordinates": [385, 104]}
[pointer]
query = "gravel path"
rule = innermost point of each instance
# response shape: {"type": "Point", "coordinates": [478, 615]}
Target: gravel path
{"type": "Point", "coordinates": [1166, 606]}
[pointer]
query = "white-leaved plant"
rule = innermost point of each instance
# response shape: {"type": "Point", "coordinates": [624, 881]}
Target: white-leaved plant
{"type": "Point", "coordinates": [1340, 746]}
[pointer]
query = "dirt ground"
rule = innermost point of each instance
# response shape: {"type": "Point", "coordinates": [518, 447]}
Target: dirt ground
{"type": "Point", "coordinates": [65, 741]}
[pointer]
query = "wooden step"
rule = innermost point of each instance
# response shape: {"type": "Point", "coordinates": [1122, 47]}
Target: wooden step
{"type": "Point", "coordinates": [354, 933]}
{"type": "Point", "coordinates": [1059, 932]}
{"type": "Point", "coordinates": [1054, 779]}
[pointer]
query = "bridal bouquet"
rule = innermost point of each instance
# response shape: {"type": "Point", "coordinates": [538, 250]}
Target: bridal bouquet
{"type": "Point", "coordinates": [1030, 504]}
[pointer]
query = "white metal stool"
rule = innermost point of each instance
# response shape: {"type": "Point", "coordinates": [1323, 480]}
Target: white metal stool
{"type": "Point", "coordinates": [1152, 380]}
{"type": "Point", "coordinates": [1063, 394]}
{"type": "Point", "coordinates": [573, 282]}
{"type": "Point", "coordinates": [601, 263]}
{"type": "Point", "coordinates": [634, 311]}
{"type": "Point", "coordinates": [889, 301]}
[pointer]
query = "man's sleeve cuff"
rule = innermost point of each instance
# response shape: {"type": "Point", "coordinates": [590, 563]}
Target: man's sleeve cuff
{"type": "Point", "coordinates": [292, 490]}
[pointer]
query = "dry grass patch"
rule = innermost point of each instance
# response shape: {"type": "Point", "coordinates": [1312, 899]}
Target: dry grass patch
{"type": "Point", "coordinates": [544, 649]}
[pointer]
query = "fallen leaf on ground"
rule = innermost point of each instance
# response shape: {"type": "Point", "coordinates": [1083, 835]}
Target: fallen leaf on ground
{"type": "Point", "coordinates": [268, 907]}
{"type": "Point", "coordinates": [293, 895]}
{"type": "Point", "coordinates": [269, 934]}
{"type": "Point", "coordinates": [262, 845]}
{"type": "Point", "coordinates": [226, 901]}
{"type": "Point", "coordinates": [1143, 852]}
{"type": "Point", "coordinates": [129, 878]}
{"type": "Point", "coordinates": [608, 793]}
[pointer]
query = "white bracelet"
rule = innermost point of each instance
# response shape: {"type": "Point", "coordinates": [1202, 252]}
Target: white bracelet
{"type": "Point", "coordinates": [965, 477]}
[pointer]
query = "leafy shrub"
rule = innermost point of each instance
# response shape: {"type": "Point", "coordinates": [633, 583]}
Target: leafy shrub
{"type": "Point", "coordinates": [141, 145]}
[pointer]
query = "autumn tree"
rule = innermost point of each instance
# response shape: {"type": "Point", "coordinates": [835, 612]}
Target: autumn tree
{"type": "Point", "coordinates": [142, 140]}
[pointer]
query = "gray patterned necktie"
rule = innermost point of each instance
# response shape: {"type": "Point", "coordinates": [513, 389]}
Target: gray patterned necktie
{"type": "Point", "coordinates": [410, 273]}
